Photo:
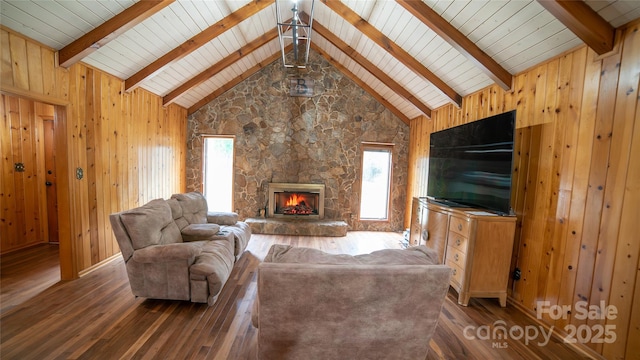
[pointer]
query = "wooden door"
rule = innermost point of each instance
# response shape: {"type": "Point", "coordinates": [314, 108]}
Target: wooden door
{"type": "Point", "coordinates": [50, 180]}
{"type": "Point", "coordinates": [22, 191]}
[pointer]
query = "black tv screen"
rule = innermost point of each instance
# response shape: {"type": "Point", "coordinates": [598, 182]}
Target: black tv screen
{"type": "Point", "coordinates": [471, 164]}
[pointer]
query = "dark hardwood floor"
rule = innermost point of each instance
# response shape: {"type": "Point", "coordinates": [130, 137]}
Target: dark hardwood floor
{"type": "Point", "coordinates": [26, 273]}
{"type": "Point", "coordinates": [96, 317]}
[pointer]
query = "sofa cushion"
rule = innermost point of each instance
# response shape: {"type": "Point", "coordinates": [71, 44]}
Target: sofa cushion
{"type": "Point", "coordinates": [418, 255]}
{"type": "Point", "coordinates": [194, 207]}
{"type": "Point", "coordinates": [197, 232]}
{"type": "Point", "coordinates": [176, 209]}
{"type": "Point", "coordinates": [222, 218]}
{"type": "Point", "coordinates": [151, 224]}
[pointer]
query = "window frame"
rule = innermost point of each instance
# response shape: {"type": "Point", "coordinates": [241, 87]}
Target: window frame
{"type": "Point", "coordinates": [377, 146]}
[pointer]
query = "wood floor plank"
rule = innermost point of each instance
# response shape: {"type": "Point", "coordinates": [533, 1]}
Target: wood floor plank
{"type": "Point", "coordinates": [21, 277]}
{"type": "Point", "coordinates": [96, 316]}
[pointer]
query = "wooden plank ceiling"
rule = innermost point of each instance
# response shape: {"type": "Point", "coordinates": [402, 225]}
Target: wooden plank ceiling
{"type": "Point", "coordinates": [411, 55]}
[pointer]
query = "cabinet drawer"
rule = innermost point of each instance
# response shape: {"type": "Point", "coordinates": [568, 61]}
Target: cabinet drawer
{"type": "Point", "coordinates": [457, 241]}
{"type": "Point", "coordinates": [459, 225]}
{"type": "Point", "coordinates": [457, 274]}
{"type": "Point", "coordinates": [456, 256]}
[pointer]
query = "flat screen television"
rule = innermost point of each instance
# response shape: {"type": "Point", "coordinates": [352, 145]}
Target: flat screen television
{"type": "Point", "coordinates": [471, 164]}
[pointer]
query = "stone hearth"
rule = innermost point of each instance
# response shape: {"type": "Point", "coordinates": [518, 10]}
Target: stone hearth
{"type": "Point", "coordinates": [298, 227]}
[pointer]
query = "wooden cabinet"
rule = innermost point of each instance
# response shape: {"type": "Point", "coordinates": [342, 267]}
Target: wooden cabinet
{"type": "Point", "coordinates": [417, 223]}
{"type": "Point", "coordinates": [476, 244]}
{"type": "Point", "coordinates": [429, 227]}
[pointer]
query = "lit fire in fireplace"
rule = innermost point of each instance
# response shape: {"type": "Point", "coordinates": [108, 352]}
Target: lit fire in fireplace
{"type": "Point", "coordinates": [294, 200]}
{"type": "Point", "coordinates": [296, 205]}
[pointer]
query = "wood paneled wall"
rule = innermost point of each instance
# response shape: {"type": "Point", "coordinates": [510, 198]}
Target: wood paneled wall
{"type": "Point", "coordinates": [130, 148]}
{"type": "Point", "coordinates": [576, 187]}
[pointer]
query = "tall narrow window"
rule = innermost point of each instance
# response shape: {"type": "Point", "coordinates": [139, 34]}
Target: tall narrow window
{"type": "Point", "coordinates": [376, 182]}
{"type": "Point", "coordinates": [218, 173]}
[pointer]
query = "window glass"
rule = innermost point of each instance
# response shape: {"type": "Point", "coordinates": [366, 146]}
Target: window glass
{"type": "Point", "coordinates": [376, 184]}
{"type": "Point", "coordinates": [218, 173]}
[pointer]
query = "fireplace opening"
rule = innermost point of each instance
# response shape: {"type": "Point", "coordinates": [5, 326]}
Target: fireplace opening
{"type": "Point", "coordinates": [296, 203]}
{"type": "Point", "coordinates": [304, 201]}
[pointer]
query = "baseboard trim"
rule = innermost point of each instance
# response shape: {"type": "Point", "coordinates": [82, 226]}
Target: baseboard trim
{"type": "Point", "coordinates": [98, 265]}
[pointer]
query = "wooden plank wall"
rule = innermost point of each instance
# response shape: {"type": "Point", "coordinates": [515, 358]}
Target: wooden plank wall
{"type": "Point", "coordinates": [576, 189]}
{"type": "Point", "coordinates": [129, 147]}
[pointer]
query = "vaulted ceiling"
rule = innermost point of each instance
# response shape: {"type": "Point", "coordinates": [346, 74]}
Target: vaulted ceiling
{"type": "Point", "coordinates": [412, 55]}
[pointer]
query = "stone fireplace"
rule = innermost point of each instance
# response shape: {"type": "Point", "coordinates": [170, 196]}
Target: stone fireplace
{"type": "Point", "coordinates": [284, 139]}
{"type": "Point", "coordinates": [293, 200]}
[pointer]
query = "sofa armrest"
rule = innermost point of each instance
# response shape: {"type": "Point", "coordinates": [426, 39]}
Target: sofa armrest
{"type": "Point", "coordinates": [222, 217]}
{"type": "Point", "coordinates": [199, 232]}
{"type": "Point", "coordinates": [168, 252]}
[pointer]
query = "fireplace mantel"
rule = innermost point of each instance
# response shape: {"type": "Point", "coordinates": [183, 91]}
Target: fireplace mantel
{"type": "Point", "coordinates": [275, 188]}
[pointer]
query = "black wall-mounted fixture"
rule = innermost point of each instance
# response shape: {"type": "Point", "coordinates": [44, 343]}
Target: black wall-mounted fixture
{"type": "Point", "coordinates": [517, 274]}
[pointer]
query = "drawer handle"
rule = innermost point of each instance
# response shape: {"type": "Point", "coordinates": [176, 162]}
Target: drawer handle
{"type": "Point", "coordinates": [456, 257]}
{"type": "Point", "coordinates": [458, 242]}
{"type": "Point", "coordinates": [454, 271]}
{"type": "Point", "coordinates": [459, 226]}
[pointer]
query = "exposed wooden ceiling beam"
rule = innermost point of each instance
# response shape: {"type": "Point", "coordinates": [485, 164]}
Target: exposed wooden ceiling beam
{"type": "Point", "coordinates": [221, 65]}
{"type": "Point", "coordinates": [109, 30]}
{"type": "Point", "coordinates": [207, 99]}
{"type": "Point", "coordinates": [370, 67]}
{"type": "Point", "coordinates": [361, 83]}
{"type": "Point", "coordinates": [197, 41]}
{"type": "Point", "coordinates": [392, 48]}
{"type": "Point", "coordinates": [459, 42]}
{"type": "Point", "coordinates": [583, 21]}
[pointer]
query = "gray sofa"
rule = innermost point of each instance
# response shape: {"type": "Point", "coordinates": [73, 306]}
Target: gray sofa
{"type": "Point", "coordinates": [174, 249]}
{"type": "Point", "coordinates": [314, 305]}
